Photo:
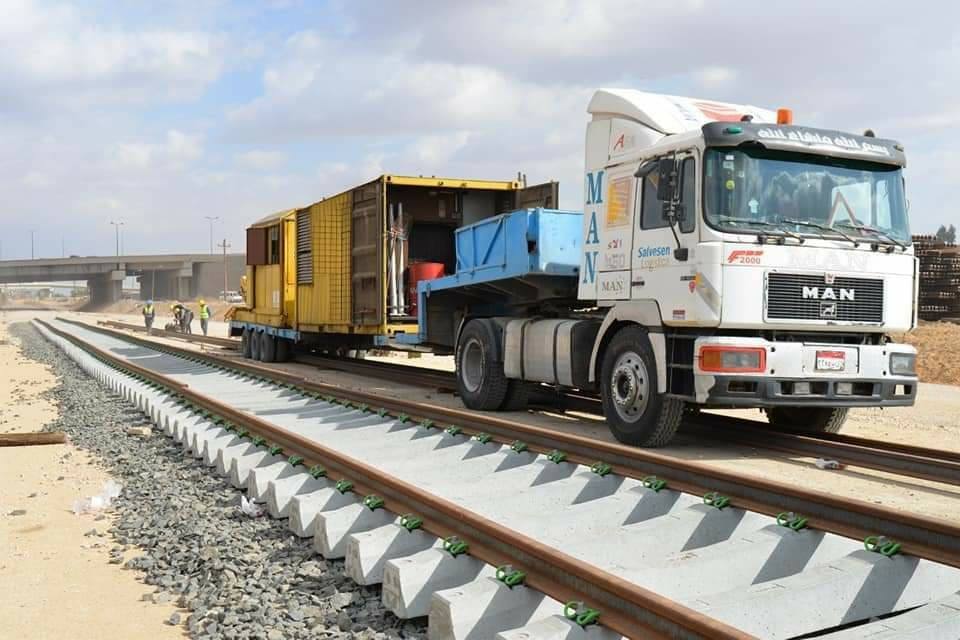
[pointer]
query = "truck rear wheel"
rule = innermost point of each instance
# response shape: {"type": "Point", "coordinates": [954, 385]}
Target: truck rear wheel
{"type": "Point", "coordinates": [635, 412]}
{"type": "Point", "coordinates": [480, 379]}
{"type": "Point", "coordinates": [807, 419]}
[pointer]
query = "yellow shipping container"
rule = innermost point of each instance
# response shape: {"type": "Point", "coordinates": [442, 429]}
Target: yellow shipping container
{"type": "Point", "coordinates": [339, 267]}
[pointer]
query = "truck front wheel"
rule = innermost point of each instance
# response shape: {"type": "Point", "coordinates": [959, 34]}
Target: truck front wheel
{"type": "Point", "coordinates": [635, 412]}
{"type": "Point", "coordinates": [480, 379]}
{"type": "Point", "coordinates": [807, 419]}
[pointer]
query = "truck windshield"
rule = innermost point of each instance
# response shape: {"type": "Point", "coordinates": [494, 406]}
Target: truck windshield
{"type": "Point", "coordinates": [759, 190]}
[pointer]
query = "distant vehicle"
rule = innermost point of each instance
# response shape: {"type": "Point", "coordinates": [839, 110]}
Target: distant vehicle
{"type": "Point", "coordinates": [233, 297]}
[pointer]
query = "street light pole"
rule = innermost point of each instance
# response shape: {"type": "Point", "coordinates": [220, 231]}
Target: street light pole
{"type": "Point", "coordinates": [32, 233]}
{"type": "Point", "coordinates": [116, 226]}
{"type": "Point", "coordinates": [224, 245]}
{"type": "Point", "coordinates": [212, 219]}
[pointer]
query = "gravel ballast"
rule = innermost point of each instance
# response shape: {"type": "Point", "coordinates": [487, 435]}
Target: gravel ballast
{"type": "Point", "coordinates": [235, 576]}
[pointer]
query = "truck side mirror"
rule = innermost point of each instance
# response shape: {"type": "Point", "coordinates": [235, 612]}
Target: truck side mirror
{"type": "Point", "coordinates": [667, 182]}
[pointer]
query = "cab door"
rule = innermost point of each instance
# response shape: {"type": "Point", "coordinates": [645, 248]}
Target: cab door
{"type": "Point", "coordinates": [655, 272]}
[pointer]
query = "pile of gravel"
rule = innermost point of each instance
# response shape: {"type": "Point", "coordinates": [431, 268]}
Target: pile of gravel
{"type": "Point", "coordinates": [239, 577]}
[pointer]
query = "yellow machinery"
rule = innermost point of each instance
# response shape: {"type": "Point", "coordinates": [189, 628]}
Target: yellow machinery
{"type": "Point", "coordinates": [333, 273]}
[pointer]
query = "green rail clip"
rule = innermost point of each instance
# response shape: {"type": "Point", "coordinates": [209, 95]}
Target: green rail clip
{"type": "Point", "coordinates": [381, 412]}
{"type": "Point", "coordinates": [580, 613]}
{"type": "Point", "coordinates": [556, 456]}
{"type": "Point", "coordinates": [364, 407]}
{"type": "Point", "coordinates": [455, 546]}
{"type": "Point", "coordinates": [453, 430]}
{"type": "Point", "coordinates": [243, 433]}
{"type": "Point", "coordinates": [295, 461]}
{"type": "Point", "coordinates": [601, 468]}
{"type": "Point", "coordinates": [259, 441]}
{"type": "Point", "coordinates": [403, 418]}
{"type": "Point", "coordinates": [276, 450]}
{"type": "Point", "coordinates": [654, 483]}
{"type": "Point", "coordinates": [231, 427]}
{"type": "Point", "coordinates": [510, 576]}
{"type": "Point", "coordinates": [344, 486]}
{"type": "Point", "coordinates": [317, 471]}
{"type": "Point", "coordinates": [330, 399]}
{"type": "Point", "coordinates": [426, 424]}
{"type": "Point", "coordinates": [373, 502]}
{"type": "Point", "coordinates": [882, 545]}
{"type": "Point", "coordinates": [790, 520]}
{"type": "Point", "coordinates": [518, 446]}
{"type": "Point", "coordinates": [714, 499]}
{"type": "Point", "coordinates": [483, 438]}
{"type": "Point", "coordinates": [410, 522]}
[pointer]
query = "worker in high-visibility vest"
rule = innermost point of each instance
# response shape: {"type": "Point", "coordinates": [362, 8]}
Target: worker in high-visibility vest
{"type": "Point", "coordinates": [204, 316]}
{"type": "Point", "coordinates": [149, 313]}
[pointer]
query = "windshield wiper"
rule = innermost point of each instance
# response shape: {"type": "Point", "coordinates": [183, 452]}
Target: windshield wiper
{"type": "Point", "coordinates": [873, 230]}
{"type": "Point", "coordinates": [823, 227]}
{"type": "Point", "coordinates": [763, 223]}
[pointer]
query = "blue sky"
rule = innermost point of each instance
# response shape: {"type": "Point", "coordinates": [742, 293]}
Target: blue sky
{"type": "Point", "coordinates": [159, 114]}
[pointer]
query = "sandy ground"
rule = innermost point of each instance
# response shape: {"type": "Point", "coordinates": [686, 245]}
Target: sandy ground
{"type": "Point", "coordinates": [56, 582]}
{"type": "Point", "coordinates": [932, 422]}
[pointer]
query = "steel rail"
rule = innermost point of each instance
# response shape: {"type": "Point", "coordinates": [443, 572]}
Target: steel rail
{"type": "Point", "coordinates": [626, 608]}
{"type": "Point", "coordinates": [229, 343]}
{"type": "Point", "coordinates": [922, 536]}
{"type": "Point", "coordinates": [901, 459]}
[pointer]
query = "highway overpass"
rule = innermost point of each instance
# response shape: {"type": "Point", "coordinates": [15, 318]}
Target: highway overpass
{"type": "Point", "coordinates": [181, 276]}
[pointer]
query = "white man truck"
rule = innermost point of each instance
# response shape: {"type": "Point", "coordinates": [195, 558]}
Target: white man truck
{"type": "Point", "coordinates": [725, 257]}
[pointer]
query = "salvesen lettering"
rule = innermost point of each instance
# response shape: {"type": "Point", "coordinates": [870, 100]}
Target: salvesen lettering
{"type": "Point", "coordinates": [653, 252]}
{"type": "Point", "coordinates": [814, 137]}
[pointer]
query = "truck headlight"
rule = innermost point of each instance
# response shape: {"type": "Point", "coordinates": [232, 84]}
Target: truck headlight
{"type": "Point", "coordinates": [903, 364]}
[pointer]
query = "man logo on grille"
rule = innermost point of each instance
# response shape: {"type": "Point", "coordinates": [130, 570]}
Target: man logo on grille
{"type": "Point", "coordinates": [827, 293]}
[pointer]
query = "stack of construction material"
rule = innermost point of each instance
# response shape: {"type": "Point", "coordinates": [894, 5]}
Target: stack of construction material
{"type": "Point", "coordinates": [939, 278]}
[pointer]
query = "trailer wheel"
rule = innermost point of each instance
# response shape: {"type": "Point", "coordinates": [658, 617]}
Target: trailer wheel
{"type": "Point", "coordinates": [807, 419]}
{"type": "Point", "coordinates": [480, 379]}
{"type": "Point", "coordinates": [268, 348]}
{"type": "Point", "coordinates": [635, 412]}
{"type": "Point", "coordinates": [245, 343]}
{"type": "Point", "coordinates": [284, 348]}
{"type": "Point", "coordinates": [255, 344]}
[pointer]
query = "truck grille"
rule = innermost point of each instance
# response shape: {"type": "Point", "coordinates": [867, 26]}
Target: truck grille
{"type": "Point", "coordinates": [794, 296]}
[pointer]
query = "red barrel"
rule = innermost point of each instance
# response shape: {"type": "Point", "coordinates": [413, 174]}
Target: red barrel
{"type": "Point", "coordinates": [416, 272]}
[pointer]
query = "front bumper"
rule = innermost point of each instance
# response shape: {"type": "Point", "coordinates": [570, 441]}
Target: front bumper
{"type": "Point", "coordinates": [791, 377]}
{"type": "Point", "coordinates": [750, 391]}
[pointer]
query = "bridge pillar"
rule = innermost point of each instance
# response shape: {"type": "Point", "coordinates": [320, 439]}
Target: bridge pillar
{"type": "Point", "coordinates": [106, 288]}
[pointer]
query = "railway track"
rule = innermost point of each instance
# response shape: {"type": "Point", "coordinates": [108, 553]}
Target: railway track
{"type": "Point", "coordinates": [657, 546]}
{"type": "Point", "coordinates": [901, 459]}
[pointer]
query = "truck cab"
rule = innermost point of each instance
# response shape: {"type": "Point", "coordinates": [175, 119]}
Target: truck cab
{"type": "Point", "coordinates": [739, 260]}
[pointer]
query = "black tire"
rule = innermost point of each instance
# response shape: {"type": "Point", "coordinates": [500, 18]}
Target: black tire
{"type": "Point", "coordinates": [245, 343]}
{"type": "Point", "coordinates": [255, 345]}
{"type": "Point", "coordinates": [807, 419]}
{"type": "Point", "coordinates": [268, 348]}
{"type": "Point", "coordinates": [518, 396]}
{"type": "Point", "coordinates": [284, 347]}
{"type": "Point", "coordinates": [636, 414]}
{"type": "Point", "coordinates": [480, 379]}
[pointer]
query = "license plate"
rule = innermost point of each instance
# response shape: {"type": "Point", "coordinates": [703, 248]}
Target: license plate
{"type": "Point", "coordinates": [831, 360]}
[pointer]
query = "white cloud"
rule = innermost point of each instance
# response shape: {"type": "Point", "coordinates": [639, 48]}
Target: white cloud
{"type": "Point", "coordinates": [37, 180]}
{"type": "Point", "coordinates": [177, 150]}
{"type": "Point", "coordinates": [57, 56]}
{"type": "Point", "coordinates": [260, 160]}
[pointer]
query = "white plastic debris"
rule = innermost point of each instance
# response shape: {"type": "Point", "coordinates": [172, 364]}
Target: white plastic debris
{"type": "Point", "coordinates": [101, 501]}
{"type": "Point", "coordinates": [250, 508]}
{"type": "Point", "coordinates": [824, 463]}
